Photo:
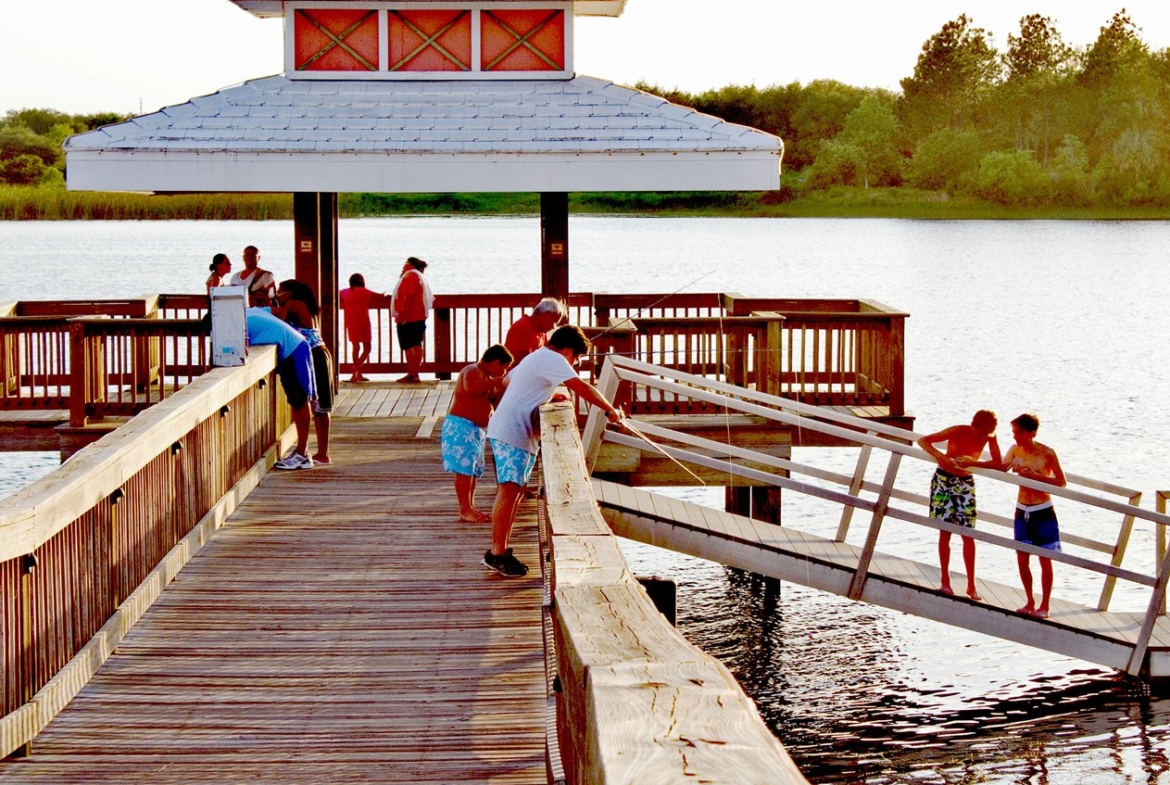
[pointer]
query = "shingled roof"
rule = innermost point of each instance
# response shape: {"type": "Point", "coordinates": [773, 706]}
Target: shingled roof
{"type": "Point", "coordinates": [278, 134]}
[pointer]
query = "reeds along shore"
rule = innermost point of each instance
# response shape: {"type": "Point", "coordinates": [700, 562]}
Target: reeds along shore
{"type": "Point", "coordinates": [32, 203]}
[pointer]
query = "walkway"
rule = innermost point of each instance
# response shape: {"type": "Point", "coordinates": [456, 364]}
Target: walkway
{"type": "Point", "coordinates": [339, 628]}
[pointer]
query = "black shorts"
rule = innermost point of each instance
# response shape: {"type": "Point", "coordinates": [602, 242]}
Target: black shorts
{"type": "Point", "coordinates": [411, 334]}
{"type": "Point", "coordinates": [323, 372]}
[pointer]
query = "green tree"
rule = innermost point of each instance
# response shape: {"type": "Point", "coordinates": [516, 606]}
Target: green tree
{"type": "Point", "coordinates": [23, 169]}
{"type": "Point", "coordinates": [945, 159]}
{"type": "Point", "coordinates": [872, 129]}
{"type": "Point", "coordinates": [1117, 48]}
{"type": "Point", "coordinates": [953, 76]}
{"type": "Point", "coordinates": [18, 140]}
{"type": "Point", "coordinates": [1011, 179]}
{"type": "Point", "coordinates": [1036, 63]}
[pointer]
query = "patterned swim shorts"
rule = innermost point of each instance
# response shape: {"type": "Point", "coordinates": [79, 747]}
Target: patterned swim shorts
{"type": "Point", "coordinates": [512, 463]}
{"type": "Point", "coordinates": [463, 446]}
{"type": "Point", "coordinates": [952, 499]}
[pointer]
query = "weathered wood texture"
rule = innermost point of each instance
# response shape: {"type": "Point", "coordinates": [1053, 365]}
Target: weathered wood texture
{"type": "Point", "coordinates": [639, 704]}
{"type": "Point", "coordinates": [339, 628]}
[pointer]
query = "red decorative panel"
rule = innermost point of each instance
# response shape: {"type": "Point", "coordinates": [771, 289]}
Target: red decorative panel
{"type": "Point", "coordinates": [429, 40]}
{"type": "Point", "coordinates": [531, 40]}
{"type": "Point", "coordinates": [336, 40]}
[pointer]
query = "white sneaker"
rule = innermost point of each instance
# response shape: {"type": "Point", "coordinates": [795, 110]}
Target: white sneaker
{"type": "Point", "coordinates": [294, 461]}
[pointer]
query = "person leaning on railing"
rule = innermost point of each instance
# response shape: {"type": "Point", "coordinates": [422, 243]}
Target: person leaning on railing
{"type": "Point", "coordinates": [514, 431]}
{"type": "Point", "coordinates": [295, 367]}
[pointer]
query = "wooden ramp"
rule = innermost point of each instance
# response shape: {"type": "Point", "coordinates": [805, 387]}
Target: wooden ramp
{"type": "Point", "coordinates": [782, 552]}
{"type": "Point", "coordinates": [339, 629]}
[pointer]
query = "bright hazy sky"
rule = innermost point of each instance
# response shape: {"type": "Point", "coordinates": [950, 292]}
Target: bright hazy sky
{"type": "Point", "coordinates": [119, 55]}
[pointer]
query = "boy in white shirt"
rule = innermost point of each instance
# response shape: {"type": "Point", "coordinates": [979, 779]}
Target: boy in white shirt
{"type": "Point", "coordinates": [514, 434]}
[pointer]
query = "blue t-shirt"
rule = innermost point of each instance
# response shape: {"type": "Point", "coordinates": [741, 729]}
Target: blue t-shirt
{"type": "Point", "coordinates": [264, 328]}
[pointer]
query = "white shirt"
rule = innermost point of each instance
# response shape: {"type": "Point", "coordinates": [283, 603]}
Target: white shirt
{"type": "Point", "coordinates": [530, 384]}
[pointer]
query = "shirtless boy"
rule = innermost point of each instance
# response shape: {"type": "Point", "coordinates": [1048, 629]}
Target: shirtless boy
{"type": "Point", "coordinates": [1035, 522]}
{"type": "Point", "coordinates": [952, 488]}
{"type": "Point", "coordinates": [477, 389]}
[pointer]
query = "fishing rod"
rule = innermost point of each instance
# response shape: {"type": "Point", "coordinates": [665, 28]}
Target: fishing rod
{"type": "Point", "coordinates": [627, 425]}
{"type": "Point", "coordinates": [657, 302]}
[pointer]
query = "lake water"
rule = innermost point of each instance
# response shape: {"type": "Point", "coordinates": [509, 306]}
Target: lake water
{"type": "Point", "coordinates": [1065, 319]}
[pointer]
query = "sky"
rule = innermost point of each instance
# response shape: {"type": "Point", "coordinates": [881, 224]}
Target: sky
{"type": "Point", "coordinates": [79, 56]}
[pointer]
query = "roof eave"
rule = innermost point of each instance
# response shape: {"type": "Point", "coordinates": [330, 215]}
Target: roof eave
{"type": "Point", "coordinates": [267, 172]}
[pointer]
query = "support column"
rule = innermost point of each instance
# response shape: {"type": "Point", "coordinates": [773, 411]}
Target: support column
{"type": "Point", "coordinates": [315, 257]}
{"type": "Point", "coordinates": [554, 244]}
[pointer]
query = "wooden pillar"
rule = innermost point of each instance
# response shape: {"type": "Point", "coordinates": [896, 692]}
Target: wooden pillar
{"type": "Point", "coordinates": [315, 256]}
{"type": "Point", "coordinates": [554, 244]}
{"type": "Point", "coordinates": [760, 503]}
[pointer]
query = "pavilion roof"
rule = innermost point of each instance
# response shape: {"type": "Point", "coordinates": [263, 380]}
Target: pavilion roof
{"type": "Point", "coordinates": [277, 134]}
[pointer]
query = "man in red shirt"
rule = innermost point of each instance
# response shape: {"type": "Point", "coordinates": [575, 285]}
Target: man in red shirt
{"type": "Point", "coordinates": [412, 303]}
{"type": "Point", "coordinates": [527, 334]}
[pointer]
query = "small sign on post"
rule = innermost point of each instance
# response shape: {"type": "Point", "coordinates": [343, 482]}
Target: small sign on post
{"type": "Point", "coordinates": [229, 329]}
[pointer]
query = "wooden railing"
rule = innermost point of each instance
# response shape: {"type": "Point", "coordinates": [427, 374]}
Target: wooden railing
{"type": "Point", "coordinates": [123, 355]}
{"type": "Point", "coordinates": [77, 544]}
{"type": "Point", "coordinates": [823, 352]}
{"type": "Point", "coordinates": [885, 501]}
{"type": "Point", "coordinates": [636, 701]}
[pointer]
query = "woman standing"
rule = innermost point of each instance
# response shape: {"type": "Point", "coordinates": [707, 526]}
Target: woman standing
{"type": "Point", "coordinates": [296, 304]}
{"type": "Point", "coordinates": [411, 305]}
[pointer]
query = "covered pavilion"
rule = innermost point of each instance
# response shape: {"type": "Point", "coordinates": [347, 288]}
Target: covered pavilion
{"type": "Point", "coordinates": [423, 96]}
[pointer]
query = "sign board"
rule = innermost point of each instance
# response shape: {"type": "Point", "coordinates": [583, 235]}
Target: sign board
{"type": "Point", "coordinates": [229, 328]}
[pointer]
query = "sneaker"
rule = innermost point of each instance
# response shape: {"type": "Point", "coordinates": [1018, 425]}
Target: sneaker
{"type": "Point", "coordinates": [507, 564]}
{"type": "Point", "coordinates": [294, 461]}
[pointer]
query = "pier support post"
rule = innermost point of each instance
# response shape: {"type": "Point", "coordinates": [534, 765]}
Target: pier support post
{"type": "Point", "coordinates": [315, 255]}
{"type": "Point", "coordinates": [762, 504]}
{"type": "Point", "coordinates": [554, 244]}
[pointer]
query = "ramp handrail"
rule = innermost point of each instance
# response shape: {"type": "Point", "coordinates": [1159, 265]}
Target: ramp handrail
{"type": "Point", "coordinates": [897, 444]}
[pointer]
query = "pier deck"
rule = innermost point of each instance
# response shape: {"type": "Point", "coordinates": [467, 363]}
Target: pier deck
{"type": "Point", "coordinates": [339, 628]}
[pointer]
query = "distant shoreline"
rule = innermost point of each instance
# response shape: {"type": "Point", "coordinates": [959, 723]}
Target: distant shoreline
{"type": "Point", "coordinates": [54, 204]}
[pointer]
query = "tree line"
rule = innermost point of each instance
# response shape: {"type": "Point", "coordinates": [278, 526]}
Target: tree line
{"type": "Point", "coordinates": [1039, 124]}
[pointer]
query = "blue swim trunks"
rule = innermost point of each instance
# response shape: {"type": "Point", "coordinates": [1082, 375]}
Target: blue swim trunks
{"type": "Point", "coordinates": [1036, 525]}
{"type": "Point", "coordinates": [463, 446]}
{"type": "Point", "coordinates": [512, 463]}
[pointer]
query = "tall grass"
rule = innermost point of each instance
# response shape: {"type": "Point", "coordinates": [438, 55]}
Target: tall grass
{"type": "Point", "coordinates": [24, 203]}
{"type": "Point", "coordinates": [28, 203]}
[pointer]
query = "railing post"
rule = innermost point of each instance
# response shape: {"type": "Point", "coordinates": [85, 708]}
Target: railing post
{"type": "Point", "coordinates": [1118, 554]}
{"type": "Point", "coordinates": [443, 350]}
{"type": "Point", "coordinates": [857, 585]}
{"type": "Point", "coordinates": [896, 349]}
{"type": "Point", "coordinates": [147, 349]}
{"type": "Point", "coordinates": [28, 663]}
{"type": "Point", "coordinates": [79, 382]}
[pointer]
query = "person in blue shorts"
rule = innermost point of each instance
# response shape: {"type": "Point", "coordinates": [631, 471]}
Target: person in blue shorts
{"type": "Point", "coordinates": [514, 434]}
{"type": "Point", "coordinates": [295, 367]}
{"type": "Point", "coordinates": [1035, 519]}
{"type": "Point", "coordinates": [477, 388]}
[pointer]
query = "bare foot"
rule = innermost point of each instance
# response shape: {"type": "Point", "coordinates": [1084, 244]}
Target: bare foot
{"type": "Point", "coordinates": [974, 595]}
{"type": "Point", "coordinates": [410, 378]}
{"type": "Point", "coordinates": [1040, 613]}
{"type": "Point", "coordinates": [947, 590]}
{"type": "Point", "coordinates": [474, 516]}
{"type": "Point", "coordinates": [1027, 610]}
{"type": "Point", "coordinates": [322, 460]}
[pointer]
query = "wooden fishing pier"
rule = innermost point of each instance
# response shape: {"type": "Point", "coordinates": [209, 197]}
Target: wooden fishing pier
{"type": "Point", "coordinates": [173, 610]}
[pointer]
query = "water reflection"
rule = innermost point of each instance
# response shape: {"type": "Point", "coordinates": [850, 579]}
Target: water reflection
{"type": "Point", "coordinates": [859, 694]}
